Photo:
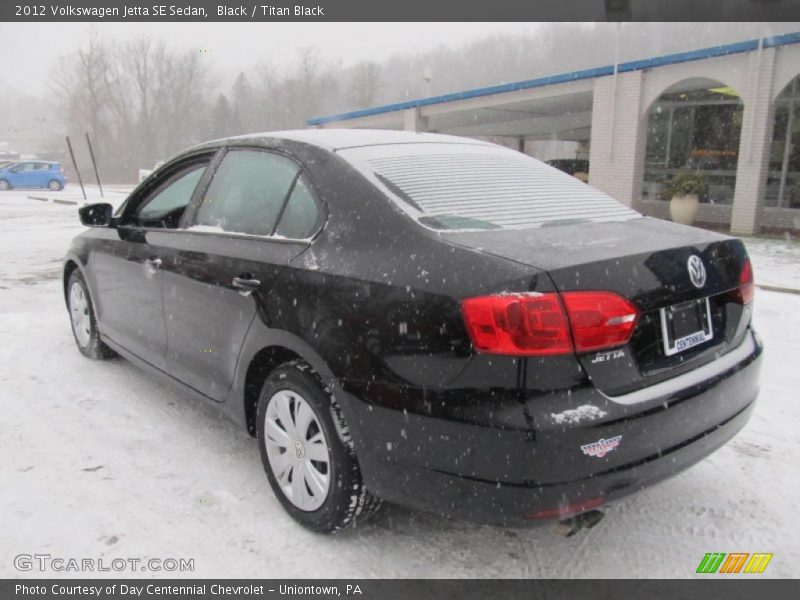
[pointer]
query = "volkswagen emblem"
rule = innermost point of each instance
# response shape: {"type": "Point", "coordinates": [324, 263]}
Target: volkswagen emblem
{"type": "Point", "coordinates": [299, 450]}
{"type": "Point", "coordinates": [697, 271]}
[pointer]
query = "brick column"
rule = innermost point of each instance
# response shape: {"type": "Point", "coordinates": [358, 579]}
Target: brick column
{"type": "Point", "coordinates": [754, 147]}
{"type": "Point", "coordinates": [616, 152]}
{"type": "Point", "coordinates": [414, 121]}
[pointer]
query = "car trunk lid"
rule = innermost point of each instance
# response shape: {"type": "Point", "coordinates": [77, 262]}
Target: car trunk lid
{"type": "Point", "coordinates": [647, 262]}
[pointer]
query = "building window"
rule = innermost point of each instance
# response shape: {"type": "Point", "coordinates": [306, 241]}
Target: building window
{"type": "Point", "coordinates": [694, 126]}
{"type": "Point", "coordinates": [783, 178]}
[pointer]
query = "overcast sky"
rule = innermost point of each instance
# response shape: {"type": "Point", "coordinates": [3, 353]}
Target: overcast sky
{"type": "Point", "coordinates": [30, 48]}
{"type": "Point", "coordinates": [234, 47]}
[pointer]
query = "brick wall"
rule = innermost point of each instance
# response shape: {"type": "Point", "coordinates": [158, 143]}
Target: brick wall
{"type": "Point", "coordinates": [755, 143]}
{"type": "Point", "coordinates": [618, 136]}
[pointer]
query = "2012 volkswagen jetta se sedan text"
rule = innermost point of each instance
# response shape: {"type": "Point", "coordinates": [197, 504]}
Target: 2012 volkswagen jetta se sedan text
{"type": "Point", "coordinates": [424, 319]}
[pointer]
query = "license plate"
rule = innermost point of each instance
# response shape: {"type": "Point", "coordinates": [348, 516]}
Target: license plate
{"type": "Point", "coordinates": [686, 325]}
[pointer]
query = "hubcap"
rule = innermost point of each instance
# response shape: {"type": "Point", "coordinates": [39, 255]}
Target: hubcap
{"type": "Point", "coordinates": [79, 311]}
{"type": "Point", "coordinates": [55, 186]}
{"type": "Point", "coordinates": [3, 185]}
{"type": "Point", "coordinates": [297, 450]}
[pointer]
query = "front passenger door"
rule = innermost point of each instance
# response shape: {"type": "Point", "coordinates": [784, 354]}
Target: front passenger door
{"type": "Point", "coordinates": [128, 266]}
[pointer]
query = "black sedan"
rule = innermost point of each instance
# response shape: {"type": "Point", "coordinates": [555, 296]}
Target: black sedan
{"type": "Point", "coordinates": [428, 320]}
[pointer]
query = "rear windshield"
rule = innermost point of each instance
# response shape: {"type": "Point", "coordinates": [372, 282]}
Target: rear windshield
{"type": "Point", "coordinates": [476, 186]}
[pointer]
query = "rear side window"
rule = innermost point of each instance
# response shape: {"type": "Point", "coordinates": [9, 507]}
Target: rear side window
{"type": "Point", "coordinates": [299, 218]}
{"type": "Point", "coordinates": [247, 192]}
{"type": "Point", "coordinates": [476, 186]}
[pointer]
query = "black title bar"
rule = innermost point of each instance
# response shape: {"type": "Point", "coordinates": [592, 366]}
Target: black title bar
{"type": "Point", "coordinates": [398, 10]}
{"type": "Point", "coordinates": [394, 589]}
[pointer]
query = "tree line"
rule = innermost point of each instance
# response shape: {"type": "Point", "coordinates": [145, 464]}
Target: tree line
{"type": "Point", "coordinates": [142, 100]}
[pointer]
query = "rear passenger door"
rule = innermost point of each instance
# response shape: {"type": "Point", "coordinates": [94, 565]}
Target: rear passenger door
{"type": "Point", "coordinates": [257, 213]}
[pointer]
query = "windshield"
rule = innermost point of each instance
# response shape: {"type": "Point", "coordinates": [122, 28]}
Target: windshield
{"type": "Point", "coordinates": [482, 186]}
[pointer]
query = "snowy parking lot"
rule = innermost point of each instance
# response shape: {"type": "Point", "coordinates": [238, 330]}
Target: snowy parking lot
{"type": "Point", "coordinates": [99, 461]}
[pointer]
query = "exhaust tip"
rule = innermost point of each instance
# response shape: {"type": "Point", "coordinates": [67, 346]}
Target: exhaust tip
{"type": "Point", "coordinates": [571, 526]}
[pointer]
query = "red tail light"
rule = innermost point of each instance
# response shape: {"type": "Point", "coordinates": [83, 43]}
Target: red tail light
{"type": "Point", "coordinates": [522, 324]}
{"type": "Point", "coordinates": [746, 287]}
{"type": "Point", "coordinates": [535, 324]}
{"type": "Point", "coordinates": [599, 319]}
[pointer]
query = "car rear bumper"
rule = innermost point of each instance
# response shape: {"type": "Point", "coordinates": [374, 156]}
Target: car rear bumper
{"type": "Point", "coordinates": [518, 477]}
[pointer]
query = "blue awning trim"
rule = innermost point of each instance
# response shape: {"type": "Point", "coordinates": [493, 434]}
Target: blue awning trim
{"type": "Point", "coordinates": [636, 65]}
{"type": "Point", "coordinates": [682, 57]}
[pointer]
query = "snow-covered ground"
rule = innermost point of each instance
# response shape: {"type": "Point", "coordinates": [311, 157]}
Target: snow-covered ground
{"type": "Point", "coordinates": [98, 461]}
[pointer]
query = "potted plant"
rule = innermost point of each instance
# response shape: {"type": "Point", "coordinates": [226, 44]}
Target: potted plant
{"type": "Point", "coordinates": [684, 191]}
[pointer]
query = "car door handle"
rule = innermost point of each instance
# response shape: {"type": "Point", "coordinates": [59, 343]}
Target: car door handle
{"type": "Point", "coordinates": [153, 263]}
{"type": "Point", "coordinates": [246, 285]}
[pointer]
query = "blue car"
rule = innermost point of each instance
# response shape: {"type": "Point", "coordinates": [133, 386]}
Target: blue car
{"type": "Point", "coordinates": [32, 174]}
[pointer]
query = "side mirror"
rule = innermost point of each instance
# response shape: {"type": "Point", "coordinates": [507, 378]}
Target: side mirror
{"type": "Point", "coordinates": [96, 215]}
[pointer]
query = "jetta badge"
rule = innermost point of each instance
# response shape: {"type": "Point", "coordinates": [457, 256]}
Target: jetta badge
{"type": "Point", "coordinates": [601, 447]}
{"type": "Point", "coordinates": [697, 271]}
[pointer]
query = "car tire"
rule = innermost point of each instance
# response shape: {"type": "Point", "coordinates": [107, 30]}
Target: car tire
{"type": "Point", "coordinates": [4, 185]}
{"type": "Point", "coordinates": [310, 461]}
{"type": "Point", "coordinates": [82, 318]}
{"type": "Point", "coordinates": [55, 185]}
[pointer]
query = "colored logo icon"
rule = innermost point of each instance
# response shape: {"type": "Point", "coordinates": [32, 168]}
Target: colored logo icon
{"type": "Point", "coordinates": [734, 562]}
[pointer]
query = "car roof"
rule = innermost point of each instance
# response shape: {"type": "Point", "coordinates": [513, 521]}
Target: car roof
{"type": "Point", "coordinates": [339, 139]}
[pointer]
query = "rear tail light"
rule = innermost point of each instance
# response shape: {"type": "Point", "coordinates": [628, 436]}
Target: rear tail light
{"type": "Point", "coordinates": [746, 287]}
{"type": "Point", "coordinates": [534, 324]}
{"type": "Point", "coordinates": [522, 324]}
{"type": "Point", "coordinates": [599, 319]}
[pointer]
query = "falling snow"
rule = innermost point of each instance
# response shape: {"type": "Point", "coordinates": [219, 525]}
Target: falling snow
{"type": "Point", "coordinates": [96, 451]}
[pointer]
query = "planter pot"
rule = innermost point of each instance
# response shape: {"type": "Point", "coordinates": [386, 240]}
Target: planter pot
{"type": "Point", "coordinates": [683, 209]}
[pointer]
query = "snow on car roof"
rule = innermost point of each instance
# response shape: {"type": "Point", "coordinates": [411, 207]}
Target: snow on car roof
{"type": "Point", "coordinates": [339, 139]}
{"type": "Point", "coordinates": [464, 186]}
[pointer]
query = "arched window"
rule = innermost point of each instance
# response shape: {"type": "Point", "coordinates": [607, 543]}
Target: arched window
{"type": "Point", "coordinates": [694, 125]}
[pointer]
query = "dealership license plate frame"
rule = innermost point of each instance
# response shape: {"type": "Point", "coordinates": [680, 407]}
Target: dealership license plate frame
{"type": "Point", "coordinates": [673, 345]}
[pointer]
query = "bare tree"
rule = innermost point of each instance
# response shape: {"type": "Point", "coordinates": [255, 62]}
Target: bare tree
{"type": "Point", "coordinates": [222, 121]}
{"type": "Point", "coordinates": [82, 81]}
{"type": "Point", "coordinates": [184, 86]}
{"type": "Point", "coordinates": [365, 84]}
{"type": "Point", "coordinates": [245, 116]}
{"type": "Point", "coordinates": [140, 101]}
{"type": "Point", "coordinates": [310, 85]}
{"type": "Point", "coordinates": [140, 58]}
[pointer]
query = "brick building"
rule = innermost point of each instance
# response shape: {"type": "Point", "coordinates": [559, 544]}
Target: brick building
{"type": "Point", "coordinates": [730, 113]}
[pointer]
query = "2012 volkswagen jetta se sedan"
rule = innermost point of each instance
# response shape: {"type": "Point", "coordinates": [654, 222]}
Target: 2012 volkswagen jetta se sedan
{"type": "Point", "coordinates": [424, 319]}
